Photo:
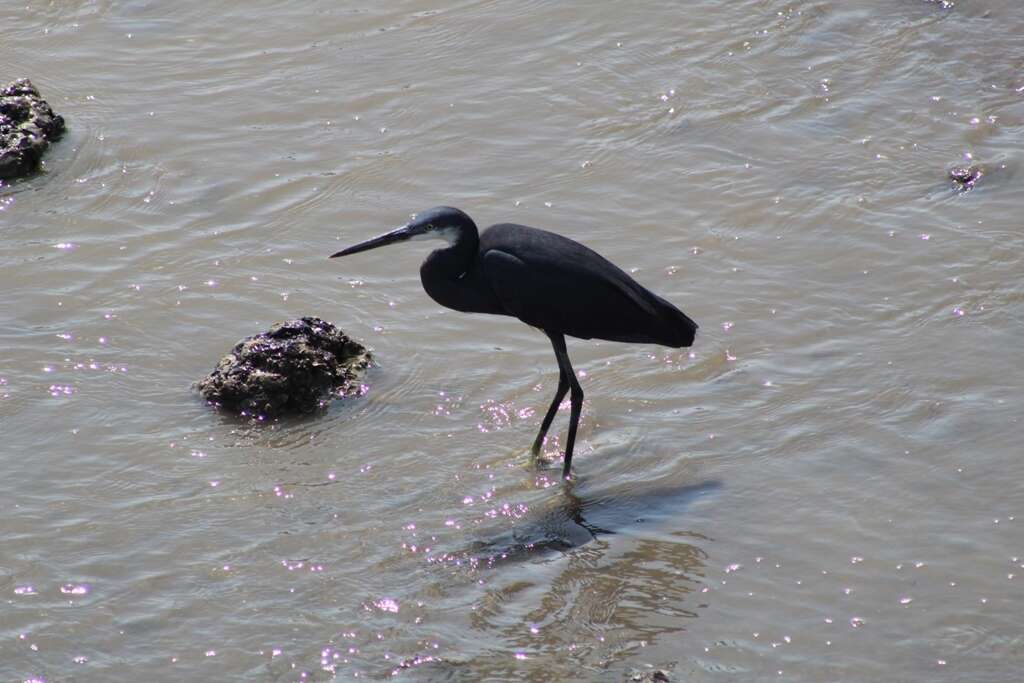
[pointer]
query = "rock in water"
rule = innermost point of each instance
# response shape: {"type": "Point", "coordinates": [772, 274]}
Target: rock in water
{"type": "Point", "coordinates": [966, 177]}
{"type": "Point", "coordinates": [295, 367]}
{"type": "Point", "coordinates": [27, 127]}
{"type": "Point", "coordinates": [649, 676]}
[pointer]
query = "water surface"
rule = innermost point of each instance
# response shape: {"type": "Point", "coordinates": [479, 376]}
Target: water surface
{"type": "Point", "coordinates": [828, 486]}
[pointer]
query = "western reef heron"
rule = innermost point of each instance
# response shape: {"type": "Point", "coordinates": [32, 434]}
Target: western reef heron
{"type": "Point", "coordinates": [548, 281]}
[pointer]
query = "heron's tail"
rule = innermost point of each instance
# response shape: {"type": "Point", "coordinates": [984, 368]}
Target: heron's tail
{"type": "Point", "coordinates": [679, 329]}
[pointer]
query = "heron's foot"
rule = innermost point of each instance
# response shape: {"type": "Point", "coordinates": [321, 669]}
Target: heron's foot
{"type": "Point", "coordinates": [539, 461]}
{"type": "Point", "coordinates": [535, 449]}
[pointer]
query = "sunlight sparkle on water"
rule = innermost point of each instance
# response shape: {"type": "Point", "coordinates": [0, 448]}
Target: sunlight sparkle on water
{"type": "Point", "coordinates": [57, 390]}
{"type": "Point", "coordinates": [75, 589]}
{"type": "Point", "coordinates": [386, 605]}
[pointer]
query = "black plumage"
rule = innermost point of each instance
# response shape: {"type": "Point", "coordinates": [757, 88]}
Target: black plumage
{"type": "Point", "coordinates": [546, 280]}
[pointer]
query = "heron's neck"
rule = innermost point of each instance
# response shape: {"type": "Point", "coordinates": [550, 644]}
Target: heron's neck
{"type": "Point", "coordinates": [453, 261]}
{"type": "Point", "coordinates": [444, 272]}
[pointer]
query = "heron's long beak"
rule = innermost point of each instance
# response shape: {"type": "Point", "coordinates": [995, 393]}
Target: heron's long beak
{"type": "Point", "coordinates": [398, 235]}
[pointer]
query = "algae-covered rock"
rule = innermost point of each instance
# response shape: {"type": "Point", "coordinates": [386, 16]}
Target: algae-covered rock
{"type": "Point", "coordinates": [966, 177]}
{"type": "Point", "coordinates": [295, 367]}
{"type": "Point", "coordinates": [27, 127]}
{"type": "Point", "coordinates": [649, 676]}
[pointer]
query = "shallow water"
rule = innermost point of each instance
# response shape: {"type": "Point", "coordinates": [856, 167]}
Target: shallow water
{"type": "Point", "coordinates": [829, 487]}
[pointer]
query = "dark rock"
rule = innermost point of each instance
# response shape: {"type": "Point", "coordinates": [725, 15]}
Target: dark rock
{"type": "Point", "coordinates": [966, 177]}
{"type": "Point", "coordinates": [27, 127]}
{"type": "Point", "coordinates": [16, 108]}
{"type": "Point", "coordinates": [648, 676]}
{"type": "Point", "coordinates": [295, 367]}
{"type": "Point", "coordinates": [22, 86]}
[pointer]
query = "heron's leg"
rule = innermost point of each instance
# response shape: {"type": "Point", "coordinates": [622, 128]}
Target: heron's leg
{"type": "Point", "coordinates": [575, 396]}
{"type": "Point", "coordinates": [560, 392]}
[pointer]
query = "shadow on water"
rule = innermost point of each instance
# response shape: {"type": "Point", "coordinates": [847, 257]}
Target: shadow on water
{"type": "Point", "coordinates": [570, 520]}
{"type": "Point", "coordinates": [596, 577]}
{"type": "Point", "coordinates": [574, 589]}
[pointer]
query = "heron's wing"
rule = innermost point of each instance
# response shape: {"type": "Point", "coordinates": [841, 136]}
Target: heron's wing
{"type": "Point", "coordinates": [576, 297]}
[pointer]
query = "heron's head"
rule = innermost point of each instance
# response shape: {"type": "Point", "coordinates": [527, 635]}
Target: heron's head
{"type": "Point", "coordinates": [441, 222]}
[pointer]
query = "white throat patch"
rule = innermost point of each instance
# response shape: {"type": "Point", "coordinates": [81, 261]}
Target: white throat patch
{"type": "Point", "coordinates": [449, 235]}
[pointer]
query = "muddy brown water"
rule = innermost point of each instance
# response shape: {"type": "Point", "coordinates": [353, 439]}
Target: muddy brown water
{"type": "Point", "coordinates": [829, 487]}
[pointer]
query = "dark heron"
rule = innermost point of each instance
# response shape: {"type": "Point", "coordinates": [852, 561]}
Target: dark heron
{"type": "Point", "coordinates": [547, 281]}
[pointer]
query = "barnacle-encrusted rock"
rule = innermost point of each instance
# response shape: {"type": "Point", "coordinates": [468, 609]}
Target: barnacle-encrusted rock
{"type": "Point", "coordinates": [27, 126]}
{"type": "Point", "coordinates": [294, 367]}
{"type": "Point", "coordinates": [649, 676]}
{"type": "Point", "coordinates": [966, 177]}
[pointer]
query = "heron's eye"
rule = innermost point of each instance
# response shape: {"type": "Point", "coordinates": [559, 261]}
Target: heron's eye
{"type": "Point", "coordinates": [430, 227]}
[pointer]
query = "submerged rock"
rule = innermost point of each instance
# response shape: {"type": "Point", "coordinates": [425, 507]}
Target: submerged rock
{"type": "Point", "coordinates": [295, 367]}
{"type": "Point", "coordinates": [966, 177]}
{"type": "Point", "coordinates": [649, 676]}
{"type": "Point", "coordinates": [27, 127]}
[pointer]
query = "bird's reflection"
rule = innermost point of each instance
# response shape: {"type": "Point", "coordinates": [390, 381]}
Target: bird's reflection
{"type": "Point", "coordinates": [570, 520]}
{"type": "Point", "coordinates": [597, 575]}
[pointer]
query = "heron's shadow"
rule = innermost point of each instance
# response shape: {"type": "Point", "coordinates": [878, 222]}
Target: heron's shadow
{"type": "Point", "coordinates": [571, 520]}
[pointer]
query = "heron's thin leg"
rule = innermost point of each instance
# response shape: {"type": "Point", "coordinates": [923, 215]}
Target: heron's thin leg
{"type": "Point", "coordinates": [560, 392]}
{"type": "Point", "coordinates": [575, 396]}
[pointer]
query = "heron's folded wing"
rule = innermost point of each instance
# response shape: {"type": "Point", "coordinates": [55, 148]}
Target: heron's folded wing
{"type": "Point", "coordinates": [566, 297]}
